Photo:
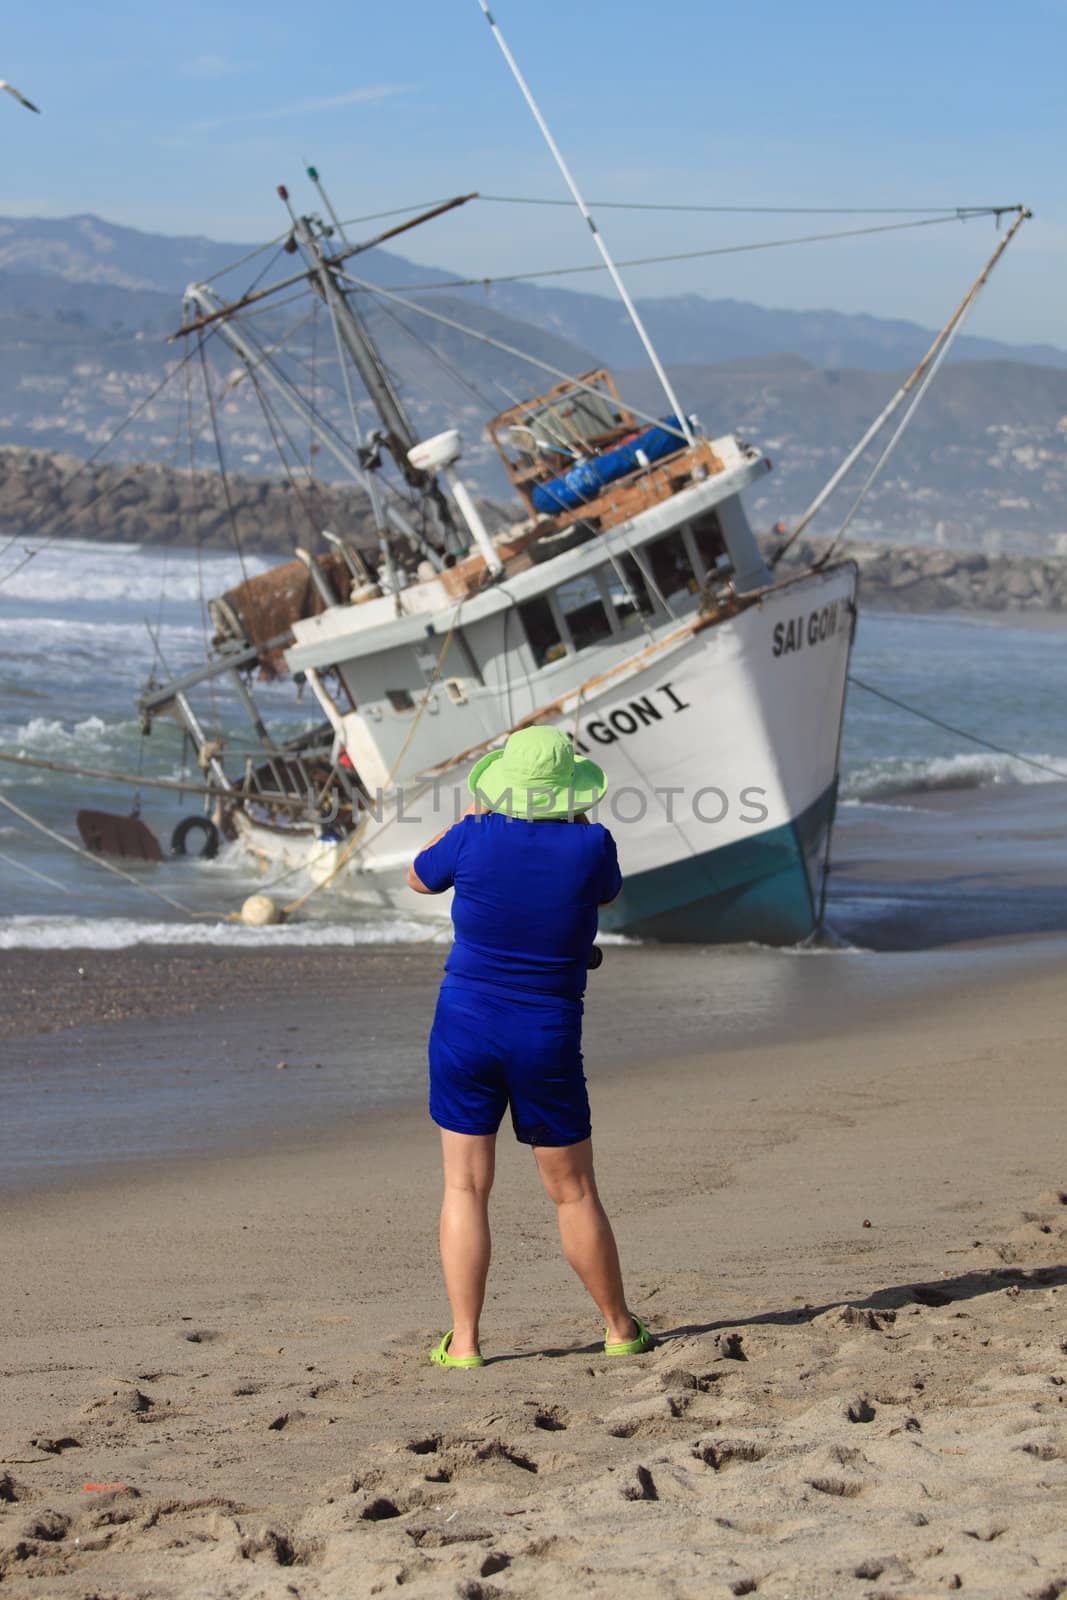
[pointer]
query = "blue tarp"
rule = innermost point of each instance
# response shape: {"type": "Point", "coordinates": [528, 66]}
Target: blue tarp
{"type": "Point", "coordinates": [585, 481]}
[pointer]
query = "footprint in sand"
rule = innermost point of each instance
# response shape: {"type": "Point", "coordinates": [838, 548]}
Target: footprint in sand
{"type": "Point", "coordinates": [731, 1347]}
{"type": "Point", "coordinates": [551, 1419]}
{"type": "Point", "coordinates": [643, 1489]}
{"type": "Point", "coordinates": [861, 1410]}
{"type": "Point", "coordinates": [47, 1526]}
{"type": "Point", "coordinates": [120, 1403]}
{"type": "Point", "coordinates": [381, 1509]}
{"type": "Point", "coordinates": [456, 1456]}
{"type": "Point", "coordinates": [842, 1488]}
{"type": "Point", "coordinates": [679, 1378]}
{"type": "Point", "coordinates": [719, 1454]}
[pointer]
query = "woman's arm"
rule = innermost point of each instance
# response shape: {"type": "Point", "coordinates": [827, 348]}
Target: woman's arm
{"type": "Point", "coordinates": [413, 879]}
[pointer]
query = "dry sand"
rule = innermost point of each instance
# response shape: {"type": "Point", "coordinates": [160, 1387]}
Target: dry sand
{"type": "Point", "coordinates": [853, 1250]}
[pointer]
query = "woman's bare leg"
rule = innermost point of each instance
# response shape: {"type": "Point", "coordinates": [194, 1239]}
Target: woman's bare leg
{"type": "Point", "coordinates": [585, 1232]}
{"type": "Point", "coordinates": [469, 1164]}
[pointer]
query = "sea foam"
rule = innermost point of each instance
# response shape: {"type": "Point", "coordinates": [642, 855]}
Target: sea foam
{"type": "Point", "coordinates": [122, 933]}
{"type": "Point", "coordinates": [884, 778]}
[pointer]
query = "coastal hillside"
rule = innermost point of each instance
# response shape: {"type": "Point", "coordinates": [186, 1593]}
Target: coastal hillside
{"type": "Point", "coordinates": [91, 252]}
{"type": "Point", "coordinates": [86, 309]}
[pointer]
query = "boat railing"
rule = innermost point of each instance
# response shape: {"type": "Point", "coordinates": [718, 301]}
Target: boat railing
{"type": "Point", "coordinates": [329, 792]}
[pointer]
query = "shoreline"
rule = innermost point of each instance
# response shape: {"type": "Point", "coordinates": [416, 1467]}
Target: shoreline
{"type": "Point", "coordinates": [851, 1246]}
{"type": "Point", "coordinates": [123, 1061]}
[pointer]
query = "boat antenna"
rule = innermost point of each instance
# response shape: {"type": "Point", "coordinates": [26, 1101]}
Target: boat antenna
{"type": "Point", "coordinates": [632, 311]}
{"type": "Point", "coordinates": [313, 174]}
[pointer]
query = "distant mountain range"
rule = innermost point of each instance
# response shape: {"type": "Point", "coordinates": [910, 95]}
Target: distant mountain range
{"type": "Point", "coordinates": [691, 328]}
{"type": "Point", "coordinates": [85, 306]}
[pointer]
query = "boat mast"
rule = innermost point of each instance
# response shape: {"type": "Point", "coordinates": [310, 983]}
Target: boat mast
{"type": "Point", "coordinates": [259, 364]}
{"type": "Point", "coordinates": [398, 436]}
{"type": "Point", "coordinates": [384, 543]}
{"type": "Point", "coordinates": [631, 309]}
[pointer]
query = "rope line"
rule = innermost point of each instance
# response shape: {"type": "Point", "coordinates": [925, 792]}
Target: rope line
{"type": "Point", "coordinates": [770, 211]}
{"type": "Point", "coordinates": [353, 843]}
{"type": "Point", "coordinates": [102, 861]}
{"type": "Point", "coordinates": [250, 255]}
{"type": "Point", "coordinates": [31, 872]}
{"type": "Point", "coordinates": [231, 510]}
{"type": "Point", "coordinates": [695, 255]}
{"type": "Point", "coordinates": [83, 466]}
{"type": "Point", "coordinates": [175, 785]}
{"type": "Point", "coordinates": [960, 733]}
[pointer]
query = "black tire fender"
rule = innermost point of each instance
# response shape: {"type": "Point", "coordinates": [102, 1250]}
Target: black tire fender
{"type": "Point", "coordinates": [209, 848]}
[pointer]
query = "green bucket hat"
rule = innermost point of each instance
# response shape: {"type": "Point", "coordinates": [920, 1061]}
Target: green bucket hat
{"type": "Point", "coordinates": [536, 775]}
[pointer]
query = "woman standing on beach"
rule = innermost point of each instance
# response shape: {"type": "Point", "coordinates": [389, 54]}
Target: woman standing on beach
{"type": "Point", "coordinates": [508, 1026]}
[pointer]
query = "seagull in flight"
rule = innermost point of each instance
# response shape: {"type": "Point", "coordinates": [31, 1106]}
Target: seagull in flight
{"type": "Point", "coordinates": [21, 98]}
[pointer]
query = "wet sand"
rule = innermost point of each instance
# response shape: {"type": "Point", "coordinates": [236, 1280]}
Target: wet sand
{"type": "Point", "coordinates": [155, 1054]}
{"type": "Point", "coordinates": [850, 1238]}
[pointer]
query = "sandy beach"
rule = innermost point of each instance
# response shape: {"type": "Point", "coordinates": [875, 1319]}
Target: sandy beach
{"type": "Point", "coordinates": [851, 1244]}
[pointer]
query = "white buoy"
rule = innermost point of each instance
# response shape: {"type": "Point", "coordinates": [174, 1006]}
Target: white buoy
{"type": "Point", "coordinates": [260, 911]}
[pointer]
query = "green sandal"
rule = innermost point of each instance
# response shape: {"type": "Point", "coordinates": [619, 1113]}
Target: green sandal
{"type": "Point", "coordinates": [441, 1358]}
{"type": "Point", "coordinates": [632, 1347]}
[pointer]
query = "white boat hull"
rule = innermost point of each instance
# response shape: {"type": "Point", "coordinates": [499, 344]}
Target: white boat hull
{"type": "Point", "coordinates": [721, 745]}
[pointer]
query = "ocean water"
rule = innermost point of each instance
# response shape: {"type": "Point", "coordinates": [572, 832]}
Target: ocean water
{"type": "Point", "coordinates": [81, 625]}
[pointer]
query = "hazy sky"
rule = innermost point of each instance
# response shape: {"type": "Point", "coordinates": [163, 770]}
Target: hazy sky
{"type": "Point", "coordinates": [182, 118]}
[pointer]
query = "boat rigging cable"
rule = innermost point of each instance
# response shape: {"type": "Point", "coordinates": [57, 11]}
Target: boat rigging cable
{"type": "Point", "coordinates": [173, 785]}
{"type": "Point", "coordinates": [685, 205]}
{"type": "Point", "coordinates": [717, 250]}
{"type": "Point", "coordinates": [101, 861]}
{"type": "Point", "coordinates": [497, 344]}
{"type": "Point", "coordinates": [84, 466]}
{"type": "Point", "coordinates": [305, 276]}
{"type": "Point", "coordinates": [960, 733]}
{"type": "Point", "coordinates": [766, 211]}
{"type": "Point", "coordinates": [921, 376]}
{"type": "Point", "coordinates": [231, 511]}
{"type": "Point", "coordinates": [352, 844]}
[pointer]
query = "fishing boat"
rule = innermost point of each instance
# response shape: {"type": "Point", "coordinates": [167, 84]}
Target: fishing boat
{"type": "Point", "coordinates": [630, 606]}
{"type": "Point", "coordinates": [627, 602]}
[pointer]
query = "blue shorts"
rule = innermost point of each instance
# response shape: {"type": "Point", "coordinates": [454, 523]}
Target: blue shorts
{"type": "Point", "coordinates": [491, 1050]}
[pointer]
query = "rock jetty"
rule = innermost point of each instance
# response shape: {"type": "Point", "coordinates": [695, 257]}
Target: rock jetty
{"type": "Point", "coordinates": [46, 494]}
{"type": "Point", "coordinates": [927, 578]}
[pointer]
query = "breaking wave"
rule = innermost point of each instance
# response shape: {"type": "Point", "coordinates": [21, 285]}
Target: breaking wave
{"type": "Point", "coordinates": [110, 572]}
{"type": "Point", "coordinates": [42, 734]}
{"type": "Point", "coordinates": [882, 779]}
{"type": "Point", "coordinates": [121, 933]}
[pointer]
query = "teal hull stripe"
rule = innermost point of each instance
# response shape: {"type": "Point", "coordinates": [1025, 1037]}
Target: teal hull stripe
{"type": "Point", "coordinates": [764, 889]}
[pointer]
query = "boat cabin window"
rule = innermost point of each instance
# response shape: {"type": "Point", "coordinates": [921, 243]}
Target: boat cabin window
{"type": "Point", "coordinates": [583, 610]}
{"type": "Point", "coordinates": [708, 540]}
{"type": "Point", "coordinates": [627, 592]}
{"type": "Point", "coordinates": [672, 570]}
{"type": "Point", "coordinates": [400, 699]}
{"type": "Point", "coordinates": [542, 632]}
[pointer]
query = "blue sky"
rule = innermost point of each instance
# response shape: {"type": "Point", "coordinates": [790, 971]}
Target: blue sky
{"type": "Point", "coordinates": [182, 118]}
